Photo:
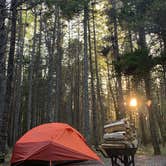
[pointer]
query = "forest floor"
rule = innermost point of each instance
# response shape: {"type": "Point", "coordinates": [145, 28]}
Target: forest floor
{"type": "Point", "coordinates": [144, 160]}
{"type": "Point", "coordinates": [141, 160]}
{"type": "Point", "coordinates": [143, 157]}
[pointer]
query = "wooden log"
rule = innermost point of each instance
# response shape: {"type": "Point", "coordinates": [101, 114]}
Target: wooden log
{"type": "Point", "coordinates": [128, 143]}
{"type": "Point", "coordinates": [122, 122]}
{"type": "Point", "coordinates": [119, 135]}
{"type": "Point", "coordinates": [116, 128]}
{"type": "Point", "coordinates": [115, 135]}
{"type": "Point", "coordinates": [121, 146]}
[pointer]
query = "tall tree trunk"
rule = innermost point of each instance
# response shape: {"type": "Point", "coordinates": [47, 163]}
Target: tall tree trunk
{"type": "Point", "coordinates": [77, 80]}
{"type": "Point", "coordinates": [71, 115]}
{"type": "Point", "coordinates": [111, 89]}
{"type": "Point", "coordinates": [163, 101]}
{"type": "Point", "coordinates": [164, 64]}
{"type": "Point", "coordinates": [38, 102]}
{"type": "Point", "coordinates": [93, 95]}
{"type": "Point", "coordinates": [58, 96]}
{"type": "Point", "coordinates": [85, 77]}
{"type": "Point", "coordinates": [30, 81]}
{"type": "Point", "coordinates": [11, 130]}
{"type": "Point", "coordinates": [164, 78]}
{"type": "Point", "coordinates": [51, 45]}
{"type": "Point", "coordinates": [152, 120]}
{"type": "Point", "coordinates": [77, 87]}
{"type": "Point", "coordinates": [20, 51]}
{"type": "Point", "coordinates": [161, 121]}
{"type": "Point", "coordinates": [135, 86]}
{"type": "Point", "coordinates": [3, 39]}
{"type": "Point", "coordinates": [118, 72]}
{"type": "Point", "coordinates": [143, 132]}
{"type": "Point", "coordinates": [99, 99]}
{"type": "Point", "coordinates": [10, 71]}
{"type": "Point", "coordinates": [141, 114]}
{"type": "Point", "coordinates": [150, 107]}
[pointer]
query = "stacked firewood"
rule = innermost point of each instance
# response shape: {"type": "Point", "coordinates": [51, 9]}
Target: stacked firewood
{"type": "Point", "coordinates": [120, 134]}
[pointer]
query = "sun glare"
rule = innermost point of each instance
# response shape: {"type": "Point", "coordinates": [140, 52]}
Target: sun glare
{"type": "Point", "coordinates": [133, 102]}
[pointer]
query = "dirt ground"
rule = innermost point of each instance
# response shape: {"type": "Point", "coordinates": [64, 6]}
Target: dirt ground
{"type": "Point", "coordinates": [150, 160]}
{"type": "Point", "coordinates": [141, 160]}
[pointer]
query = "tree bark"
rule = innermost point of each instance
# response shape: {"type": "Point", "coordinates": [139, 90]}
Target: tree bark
{"type": "Point", "coordinates": [77, 87]}
{"type": "Point", "coordinates": [20, 52]}
{"type": "Point", "coordinates": [77, 79]}
{"type": "Point", "coordinates": [3, 39]}
{"type": "Point", "coordinates": [152, 120]}
{"type": "Point", "coordinates": [10, 71]}
{"type": "Point", "coordinates": [30, 81]}
{"type": "Point", "coordinates": [14, 114]}
{"type": "Point", "coordinates": [71, 51]}
{"type": "Point", "coordinates": [150, 107]}
{"type": "Point", "coordinates": [58, 96]}
{"type": "Point", "coordinates": [161, 121]}
{"type": "Point", "coordinates": [99, 98]}
{"type": "Point", "coordinates": [111, 89]}
{"type": "Point", "coordinates": [143, 132]}
{"type": "Point", "coordinates": [164, 63]}
{"type": "Point", "coordinates": [85, 77]}
{"type": "Point", "coordinates": [118, 72]}
{"type": "Point", "coordinates": [93, 95]}
{"type": "Point", "coordinates": [50, 43]}
{"type": "Point", "coordinates": [38, 102]}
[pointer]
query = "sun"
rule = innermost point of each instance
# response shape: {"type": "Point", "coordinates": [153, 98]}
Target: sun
{"type": "Point", "coordinates": [133, 102]}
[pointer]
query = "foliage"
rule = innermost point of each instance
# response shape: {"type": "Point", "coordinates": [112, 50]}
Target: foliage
{"type": "Point", "coordinates": [68, 7]}
{"type": "Point", "coordinates": [135, 63]}
{"type": "Point", "coordinates": [58, 59]}
{"type": "Point", "coordinates": [161, 60]}
{"type": "Point", "coordinates": [133, 13]}
{"type": "Point", "coordinates": [156, 14]}
{"type": "Point", "coordinates": [141, 13]}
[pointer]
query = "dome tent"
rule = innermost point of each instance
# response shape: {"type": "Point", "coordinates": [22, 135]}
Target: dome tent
{"type": "Point", "coordinates": [51, 143]}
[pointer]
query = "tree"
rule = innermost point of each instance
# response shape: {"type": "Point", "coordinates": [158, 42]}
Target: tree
{"type": "Point", "coordinates": [50, 39]}
{"type": "Point", "coordinates": [99, 98]}
{"type": "Point", "coordinates": [133, 13]}
{"type": "Point", "coordinates": [156, 17]}
{"type": "Point", "coordinates": [10, 70]}
{"type": "Point", "coordinates": [31, 71]}
{"type": "Point", "coordinates": [93, 95]}
{"type": "Point", "coordinates": [19, 73]}
{"type": "Point", "coordinates": [113, 17]}
{"type": "Point", "coordinates": [3, 39]}
{"type": "Point", "coordinates": [85, 76]}
{"type": "Point", "coordinates": [58, 97]}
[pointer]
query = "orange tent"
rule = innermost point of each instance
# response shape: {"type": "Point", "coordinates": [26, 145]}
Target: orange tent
{"type": "Point", "coordinates": [52, 142]}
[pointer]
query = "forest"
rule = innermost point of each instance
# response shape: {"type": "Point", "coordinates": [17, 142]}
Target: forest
{"type": "Point", "coordinates": [86, 63]}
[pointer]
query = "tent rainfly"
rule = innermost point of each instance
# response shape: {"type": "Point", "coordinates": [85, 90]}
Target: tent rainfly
{"type": "Point", "coordinates": [51, 144]}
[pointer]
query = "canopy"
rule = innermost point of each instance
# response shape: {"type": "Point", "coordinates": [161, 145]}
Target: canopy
{"type": "Point", "coordinates": [52, 142]}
